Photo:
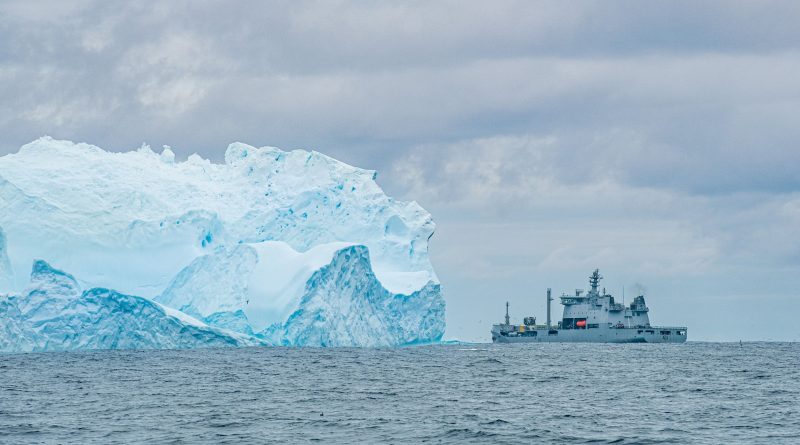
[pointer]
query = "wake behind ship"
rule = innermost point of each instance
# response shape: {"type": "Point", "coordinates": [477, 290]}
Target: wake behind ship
{"type": "Point", "coordinates": [591, 318]}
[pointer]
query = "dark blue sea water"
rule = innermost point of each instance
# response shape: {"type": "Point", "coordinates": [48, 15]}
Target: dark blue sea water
{"type": "Point", "coordinates": [539, 393]}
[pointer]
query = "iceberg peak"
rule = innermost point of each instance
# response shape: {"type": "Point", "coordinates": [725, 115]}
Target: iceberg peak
{"type": "Point", "coordinates": [167, 155]}
{"type": "Point", "coordinates": [46, 277]}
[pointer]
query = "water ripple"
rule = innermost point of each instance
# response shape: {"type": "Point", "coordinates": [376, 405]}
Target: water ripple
{"type": "Point", "coordinates": [701, 393]}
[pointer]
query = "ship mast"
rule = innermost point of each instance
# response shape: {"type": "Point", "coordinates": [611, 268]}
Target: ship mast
{"type": "Point", "coordinates": [594, 280]}
{"type": "Point", "coordinates": [508, 319]}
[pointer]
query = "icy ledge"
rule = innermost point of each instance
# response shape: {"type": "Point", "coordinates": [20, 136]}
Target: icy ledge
{"type": "Point", "coordinates": [54, 314]}
{"type": "Point", "coordinates": [343, 304]}
{"type": "Point", "coordinates": [327, 296]}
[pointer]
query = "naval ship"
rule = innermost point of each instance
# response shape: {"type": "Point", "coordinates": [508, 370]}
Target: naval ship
{"type": "Point", "coordinates": [591, 318]}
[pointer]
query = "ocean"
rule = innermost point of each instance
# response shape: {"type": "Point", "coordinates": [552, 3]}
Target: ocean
{"type": "Point", "coordinates": [704, 393]}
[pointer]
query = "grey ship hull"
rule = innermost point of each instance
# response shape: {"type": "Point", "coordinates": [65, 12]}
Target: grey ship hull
{"type": "Point", "coordinates": [509, 334]}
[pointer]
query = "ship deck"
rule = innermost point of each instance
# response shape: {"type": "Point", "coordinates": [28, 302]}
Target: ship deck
{"type": "Point", "coordinates": [636, 334]}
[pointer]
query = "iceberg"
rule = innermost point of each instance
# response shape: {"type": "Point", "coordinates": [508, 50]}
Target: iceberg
{"type": "Point", "coordinates": [270, 247]}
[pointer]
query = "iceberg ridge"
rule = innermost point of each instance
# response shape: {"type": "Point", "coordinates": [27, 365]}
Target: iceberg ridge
{"type": "Point", "coordinates": [55, 315]}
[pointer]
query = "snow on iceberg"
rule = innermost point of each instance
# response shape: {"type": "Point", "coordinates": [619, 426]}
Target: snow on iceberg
{"type": "Point", "coordinates": [53, 314]}
{"type": "Point", "coordinates": [239, 245]}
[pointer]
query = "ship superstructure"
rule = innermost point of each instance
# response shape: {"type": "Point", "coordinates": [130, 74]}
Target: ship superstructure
{"type": "Point", "coordinates": [593, 317]}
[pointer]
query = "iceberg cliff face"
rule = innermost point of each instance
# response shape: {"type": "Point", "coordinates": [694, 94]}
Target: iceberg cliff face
{"type": "Point", "coordinates": [345, 304]}
{"type": "Point", "coordinates": [253, 245]}
{"type": "Point", "coordinates": [6, 273]}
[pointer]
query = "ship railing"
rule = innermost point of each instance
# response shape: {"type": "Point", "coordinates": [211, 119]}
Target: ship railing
{"type": "Point", "coordinates": [682, 328]}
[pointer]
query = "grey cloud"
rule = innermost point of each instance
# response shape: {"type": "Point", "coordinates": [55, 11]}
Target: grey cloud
{"type": "Point", "coordinates": [503, 181]}
{"type": "Point", "coordinates": [190, 74]}
{"type": "Point", "coordinates": [321, 35]}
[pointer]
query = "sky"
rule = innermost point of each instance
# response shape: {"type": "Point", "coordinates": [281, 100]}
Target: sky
{"type": "Point", "coordinates": [657, 141]}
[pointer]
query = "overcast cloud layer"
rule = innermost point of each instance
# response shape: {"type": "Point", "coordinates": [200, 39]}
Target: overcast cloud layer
{"type": "Point", "coordinates": [657, 141]}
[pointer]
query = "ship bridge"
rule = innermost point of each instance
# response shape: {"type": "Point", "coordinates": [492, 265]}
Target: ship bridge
{"type": "Point", "coordinates": [595, 308]}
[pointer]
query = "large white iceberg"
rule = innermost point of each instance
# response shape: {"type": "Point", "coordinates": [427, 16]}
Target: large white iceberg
{"type": "Point", "coordinates": [291, 248]}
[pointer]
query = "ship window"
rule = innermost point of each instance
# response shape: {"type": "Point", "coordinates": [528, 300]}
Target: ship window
{"type": "Point", "coordinates": [680, 332]}
{"type": "Point", "coordinates": [593, 325]}
{"type": "Point", "coordinates": [552, 332]}
{"type": "Point", "coordinates": [639, 331]}
{"type": "Point", "coordinates": [666, 332]}
{"type": "Point", "coordinates": [650, 332]}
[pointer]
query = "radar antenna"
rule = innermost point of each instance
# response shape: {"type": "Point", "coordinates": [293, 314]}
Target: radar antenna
{"type": "Point", "coordinates": [594, 280]}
